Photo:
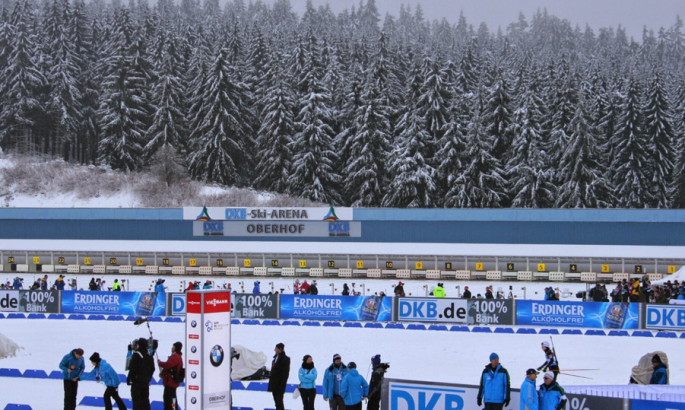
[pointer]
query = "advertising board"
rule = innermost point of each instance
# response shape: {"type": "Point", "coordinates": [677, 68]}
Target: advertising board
{"type": "Point", "coordinates": [318, 307]}
{"type": "Point", "coordinates": [30, 301]}
{"type": "Point", "coordinates": [251, 306]}
{"type": "Point", "coordinates": [671, 317]}
{"type": "Point", "coordinates": [112, 303]}
{"type": "Point", "coordinates": [578, 314]}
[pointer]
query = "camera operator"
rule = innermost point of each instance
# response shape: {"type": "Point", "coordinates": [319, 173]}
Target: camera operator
{"type": "Point", "coordinates": [376, 382]}
{"type": "Point", "coordinates": [140, 372]}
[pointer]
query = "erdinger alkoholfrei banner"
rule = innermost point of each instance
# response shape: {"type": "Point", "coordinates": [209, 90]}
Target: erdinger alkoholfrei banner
{"type": "Point", "coordinates": [208, 349]}
{"type": "Point", "coordinates": [112, 303]}
{"type": "Point", "coordinates": [315, 307]}
{"type": "Point", "coordinates": [608, 315]}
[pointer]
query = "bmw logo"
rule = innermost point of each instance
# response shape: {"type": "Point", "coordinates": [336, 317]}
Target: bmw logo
{"type": "Point", "coordinates": [193, 323]}
{"type": "Point", "coordinates": [216, 356]}
{"type": "Point", "coordinates": [193, 375]}
{"type": "Point", "coordinates": [193, 349]}
{"type": "Point", "coordinates": [193, 400]}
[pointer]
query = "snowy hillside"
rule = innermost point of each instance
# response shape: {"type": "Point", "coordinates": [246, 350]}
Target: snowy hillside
{"type": "Point", "coordinates": [36, 182]}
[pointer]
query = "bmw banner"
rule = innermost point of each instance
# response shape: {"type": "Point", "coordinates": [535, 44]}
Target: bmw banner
{"type": "Point", "coordinates": [208, 348]}
{"type": "Point", "coordinates": [315, 307]}
{"type": "Point", "coordinates": [613, 315]}
{"type": "Point", "coordinates": [112, 303]}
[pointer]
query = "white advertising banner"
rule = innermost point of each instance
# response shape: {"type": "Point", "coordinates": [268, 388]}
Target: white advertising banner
{"type": "Point", "coordinates": [208, 347]}
{"type": "Point", "coordinates": [267, 214]}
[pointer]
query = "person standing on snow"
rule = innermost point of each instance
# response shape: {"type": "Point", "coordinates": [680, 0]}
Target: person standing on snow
{"type": "Point", "coordinates": [103, 371]}
{"type": "Point", "coordinates": [332, 383]}
{"type": "Point", "coordinates": [159, 288]}
{"type": "Point", "coordinates": [529, 398]}
{"type": "Point", "coordinates": [552, 396]}
{"type": "Point", "coordinates": [467, 293]}
{"type": "Point", "coordinates": [175, 362]}
{"type": "Point", "coordinates": [116, 287]}
{"type": "Point", "coordinates": [255, 289]}
{"type": "Point", "coordinates": [313, 290]}
{"type": "Point", "coordinates": [140, 372]}
{"type": "Point", "coordinates": [439, 291]}
{"type": "Point", "coordinates": [72, 366]}
{"type": "Point", "coordinates": [551, 362]}
{"type": "Point", "coordinates": [660, 376]}
{"type": "Point", "coordinates": [399, 289]}
{"type": "Point", "coordinates": [59, 283]}
{"type": "Point", "coordinates": [307, 376]}
{"type": "Point", "coordinates": [280, 371]}
{"type": "Point", "coordinates": [495, 387]}
{"type": "Point", "coordinates": [376, 382]}
{"type": "Point", "coordinates": [353, 388]}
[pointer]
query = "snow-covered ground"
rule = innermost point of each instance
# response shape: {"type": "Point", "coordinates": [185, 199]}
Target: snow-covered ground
{"type": "Point", "coordinates": [454, 357]}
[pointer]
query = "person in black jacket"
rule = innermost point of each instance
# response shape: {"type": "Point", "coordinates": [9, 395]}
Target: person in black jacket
{"type": "Point", "coordinates": [140, 372]}
{"type": "Point", "coordinates": [376, 382]}
{"type": "Point", "coordinates": [467, 293]}
{"type": "Point", "coordinates": [280, 370]}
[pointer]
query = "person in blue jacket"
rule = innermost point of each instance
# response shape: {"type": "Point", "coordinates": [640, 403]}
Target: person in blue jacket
{"type": "Point", "coordinates": [72, 366]}
{"type": "Point", "coordinates": [18, 283]}
{"type": "Point", "coordinates": [529, 398]}
{"type": "Point", "coordinates": [307, 376]}
{"type": "Point", "coordinates": [255, 289]}
{"type": "Point", "coordinates": [353, 388]}
{"type": "Point", "coordinates": [495, 386]}
{"type": "Point", "coordinates": [332, 383]}
{"type": "Point", "coordinates": [159, 288]}
{"type": "Point", "coordinates": [660, 376]}
{"type": "Point", "coordinates": [103, 371]}
{"type": "Point", "coordinates": [552, 396]}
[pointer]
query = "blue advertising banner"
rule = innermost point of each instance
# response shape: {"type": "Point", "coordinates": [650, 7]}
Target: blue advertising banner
{"type": "Point", "coordinates": [665, 317]}
{"type": "Point", "coordinates": [578, 314]}
{"type": "Point", "coordinates": [313, 307]}
{"type": "Point", "coordinates": [655, 405]}
{"type": "Point", "coordinates": [112, 303]}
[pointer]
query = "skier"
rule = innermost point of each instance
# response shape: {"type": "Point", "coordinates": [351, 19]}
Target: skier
{"type": "Point", "coordinates": [207, 285]}
{"type": "Point", "coordinates": [346, 290]}
{"type": "Point", "coordinates": [72, 366]}
{"type": "Point", "coordinates": [18, 282]}
{"type": "Point", "coordinates": [467, 293]}
{"type": "Point", "coordinates": [44, 283]}
{"type": "Point", "coordinates": [116, 287]}
{"type": "Point", "coordinates": [175, 362]}
{"type": "Point", "coordinates": [529, 394]}
{"type": "Point", "coordinates": [660, 376]}
{"type": "Point", "coordinates": [376, 382]}
{"type": "Point", "coordinates": [552, 396]}
{"type": "Point", "coordinates": [159, 288]}
{"type": "Point", "coordinates": [92, 285]}
{"type": "Point", "coordinates": [280, 370]}
{"type": "Point", "coordinates": [59, 283]}
{"type": "Point", "coordinates": [103, 371]}
{"type": "Point", "coordinates": [313, 290]}
{"type": "Point", "coordinates": [354, 388]}
{"type": "Point", "coordinates": [307, 376]}
{"type": "Point", "coordinates": [495, 387]}
{"type": "Point", "coordinates": [551, 362]}
{"type": "Point", "coordinates": [332, 380]}
{"type": "Point", "coordinates": [141, 369]}
{"type": "Point", "coordinates": [304, 288]}
{"type": "Point", "coordinates": [488, 293]}
{"type": "Point", "coordinates": [296, 287]}
{"type": "Point", "coordinates": [255, 289]}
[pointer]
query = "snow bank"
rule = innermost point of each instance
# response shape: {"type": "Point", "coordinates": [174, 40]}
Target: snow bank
{"type": "Point", "coordinates": [7, 347]}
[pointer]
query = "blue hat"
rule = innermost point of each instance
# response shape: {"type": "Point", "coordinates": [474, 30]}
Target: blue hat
{"type": "Point", "coordinates": [376, 360]}
{"type": "Point", "coordinates": [493, 356]}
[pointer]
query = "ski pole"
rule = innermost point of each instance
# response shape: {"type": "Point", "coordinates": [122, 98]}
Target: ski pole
{"type": "Point", "coordinates": [579, 370]}
{"type": "Point", "coordinates": [575, 375]}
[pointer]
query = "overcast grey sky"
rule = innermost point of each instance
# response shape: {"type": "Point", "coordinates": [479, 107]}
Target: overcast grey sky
{"type": "Point", "coordinates": [631, 14]}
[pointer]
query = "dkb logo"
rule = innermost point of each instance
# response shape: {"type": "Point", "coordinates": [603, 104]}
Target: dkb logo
{"type": "Point", "coordinates": [407, 397]}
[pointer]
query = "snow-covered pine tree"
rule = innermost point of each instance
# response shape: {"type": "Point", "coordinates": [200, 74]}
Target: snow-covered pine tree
{"type": "Point", "coordinates": [412, 177]}
{"type": "Point", "coordinates": [168, 120]}
{"type": "Point", "coordinates": [222, 127]}
{"type": "Point", "coordinates": [276, 135]}
{"type": "Point", "coordinates": [481, 183]}
{"type": "Point", "coordinates": [528, 176]}
{"type": "Point", "coordinates": [365, 167]}
{"type": "Point", "coordinates": [581, 172]}
{"type": "Point", "coordinates": [432, 105]}
{"type": "Point", "coordinates": [660, 140]}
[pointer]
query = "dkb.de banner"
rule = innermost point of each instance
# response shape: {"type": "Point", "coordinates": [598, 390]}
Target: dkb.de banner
{"type": "Point", "coordinates": [464, 311]}
{"type": "Point", "coordinates": [112, 303]}
{"type": "Point", "coordinates": [665, 317]}
{"type": "Point", "coordinates": [311, 307]}
{"type": "Point", "coordinates": [614, 315]}
{"type": "Point", "coordinates": [34, 301]}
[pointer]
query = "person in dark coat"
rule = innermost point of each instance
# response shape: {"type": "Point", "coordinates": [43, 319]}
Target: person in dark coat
{"type": "Point", "coordinates": [467, 293]}
{"type": "Point", "coordinates": [280, 370]}
{"type": "Point", "coordinates": [660, 376]}
{"type": "Point", "coordinates": [377, 375]}
{"type": "Point", "coordinates": [346, 290]}
{"type": "Point", "coordinates": [72, 366]}
{"type": "Point", "coordinates": [313, 290]}
{"type": "Point", "coordinates": [399, 289]}
{"type": "Point", "coordinates": [175, 361]}
{"type": "Point", "coordinates": [140, 372]}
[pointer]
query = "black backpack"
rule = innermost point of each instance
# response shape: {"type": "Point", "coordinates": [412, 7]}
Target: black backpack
{"type": "Point", "coordinates": [178, 375]}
